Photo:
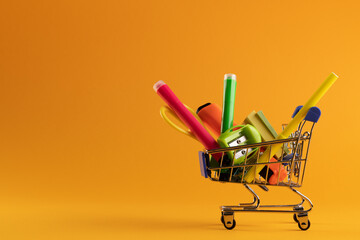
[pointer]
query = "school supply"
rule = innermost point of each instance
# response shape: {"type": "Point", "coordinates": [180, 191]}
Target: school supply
{"type": "Point", "coordinates": [273, 173]}
{"type": "Point", "coordinates": [293, 124]}
{"type": "Point", "coordinates": [288, 157]}
{"type": "Point", "coordinates": [228, 101]}
{"type": "Point", "coordinates": [165, 109]}
{"type": "Point", "coordinates": [185, 116]}
{"type": "Point", "coordinates": [210, 114]}
{"type": "Point", "coordinates": [267, 132]}
{"type": "Point", "coordinates": [259, 121]}
{"type": "Point", "coordinates": [245, 135]}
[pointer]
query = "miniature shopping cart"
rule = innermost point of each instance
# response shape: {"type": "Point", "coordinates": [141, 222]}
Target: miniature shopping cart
{"type": "Point", "coordinates": [291, 159]}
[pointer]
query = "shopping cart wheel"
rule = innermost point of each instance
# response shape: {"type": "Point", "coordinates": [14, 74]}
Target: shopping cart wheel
{"type": "Point", "coordinates": [228, 220]}
{"type": "Point", "coordinates": [302, 220]}
{"type": "Point", "coordinates": [304, 225]}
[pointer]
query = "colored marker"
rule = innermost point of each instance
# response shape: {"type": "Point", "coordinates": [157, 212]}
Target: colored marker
{"type": "Point", "coordinates": [292, 126]}
{"type": "Point", "coordinates": [185, 116]}
{"type": "Point", "coordinates": [228, 102]}
{"type": "Point", "coordinates": [210, 114]}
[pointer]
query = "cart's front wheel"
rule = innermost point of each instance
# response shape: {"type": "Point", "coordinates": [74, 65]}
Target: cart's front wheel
{"type": "Point", "coordinates": [304, 225]}
{"type": "Point", "coordinates": [228, 220]}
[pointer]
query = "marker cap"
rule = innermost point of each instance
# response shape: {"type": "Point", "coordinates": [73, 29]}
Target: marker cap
{"type": "Point", "coordinates": [230, 76]}
{"type": "Point", "coordinates": [158, 85]}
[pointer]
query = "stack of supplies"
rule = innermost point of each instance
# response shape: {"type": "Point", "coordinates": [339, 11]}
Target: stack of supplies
{"type": "Point", "coordinates": [214, 128]}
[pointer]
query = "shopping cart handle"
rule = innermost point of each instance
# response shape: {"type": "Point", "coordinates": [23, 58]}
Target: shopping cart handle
{"type": "Point", "coordinates": [297, 109]}
{"type": "Point", "coordinates": [312, 115]}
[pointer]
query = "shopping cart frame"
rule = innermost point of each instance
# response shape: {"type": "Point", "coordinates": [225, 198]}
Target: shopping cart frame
{"type": "Point", "coordinates": [298, 144]}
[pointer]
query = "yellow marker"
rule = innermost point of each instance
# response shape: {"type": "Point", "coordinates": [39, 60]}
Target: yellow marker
{"type": "Point", "coordinates": [291, 127]}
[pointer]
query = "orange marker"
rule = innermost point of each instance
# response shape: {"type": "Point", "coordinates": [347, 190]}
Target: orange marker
{"type": "Point", "coordinates": [210, 114]}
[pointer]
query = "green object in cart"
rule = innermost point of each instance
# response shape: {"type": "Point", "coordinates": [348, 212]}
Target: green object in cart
{"type": "Point", "coordinates": [247, 134]}
{"type": "Point", "coordinates": [228, 102]}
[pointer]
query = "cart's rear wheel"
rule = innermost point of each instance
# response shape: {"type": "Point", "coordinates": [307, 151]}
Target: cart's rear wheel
{"type": "Point", "coordinates": [304, 226]}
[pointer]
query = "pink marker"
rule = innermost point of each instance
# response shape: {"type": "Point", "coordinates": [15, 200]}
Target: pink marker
{"type": "Point", "coordinates": [185, 115]}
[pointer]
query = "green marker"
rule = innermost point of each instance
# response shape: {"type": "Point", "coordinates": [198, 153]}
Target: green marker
{"type": "Point", "coordinates": [228, 102]}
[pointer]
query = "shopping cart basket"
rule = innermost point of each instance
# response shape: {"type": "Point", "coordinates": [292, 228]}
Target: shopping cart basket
{"type": "Point", "coordinates": [293, 158]}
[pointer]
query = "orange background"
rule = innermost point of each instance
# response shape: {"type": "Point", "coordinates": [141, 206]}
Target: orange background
{"type": "Point", "coordinates": [85, 155]}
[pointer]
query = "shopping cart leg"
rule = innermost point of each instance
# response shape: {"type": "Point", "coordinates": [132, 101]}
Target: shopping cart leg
{"type": "Point", "coordinates": [304, 198]}
{"type": "Point", "coordinates": [301, 216]}
{"type": "Point", "coordinates": [256, 198]}
{"type": "Point", "coordinates": [227, 212]}
{"type": "Point", "coordinates": [253, 205]}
